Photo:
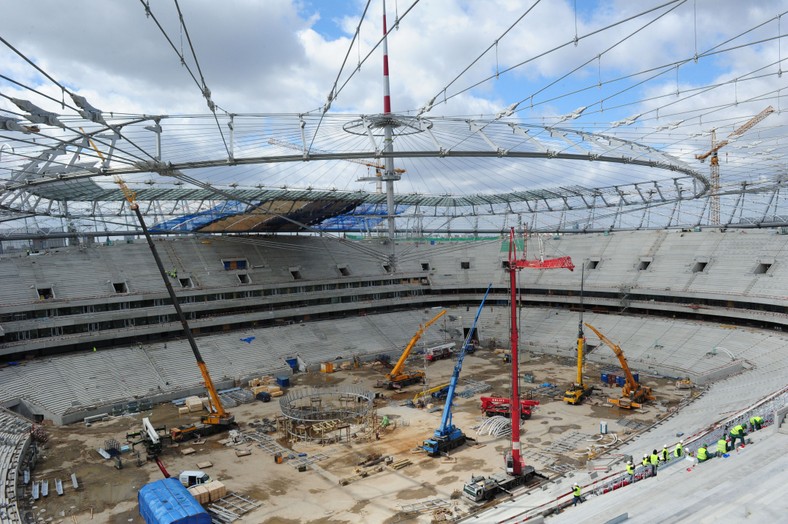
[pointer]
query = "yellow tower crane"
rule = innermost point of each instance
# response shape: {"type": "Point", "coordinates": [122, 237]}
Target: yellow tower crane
{"type": "Point", "coordinates": [715, 162]}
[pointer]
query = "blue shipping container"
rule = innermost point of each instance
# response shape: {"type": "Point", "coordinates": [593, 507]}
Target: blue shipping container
{"type": "Point", "coordinates": [166, 501]}
{"type": "Point", "coordinates": [636, 376]}
{"type": "Point", "coordinates": [604, 378]}
{"type": "Point", "coordinates": [283, 381]}
{"type": "Point", "coordinates": [620, 381]}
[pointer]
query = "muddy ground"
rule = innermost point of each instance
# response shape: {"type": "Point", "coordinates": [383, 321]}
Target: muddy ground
{"type": "Point", "coordinates": [108, 494]}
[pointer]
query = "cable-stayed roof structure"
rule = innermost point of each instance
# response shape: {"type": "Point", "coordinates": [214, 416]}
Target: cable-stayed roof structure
{"type": "Point", "coordinates": [589, 137]}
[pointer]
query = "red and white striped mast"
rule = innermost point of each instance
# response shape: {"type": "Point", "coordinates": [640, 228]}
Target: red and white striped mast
{"type": "Point", "coordinates": [389, 175]}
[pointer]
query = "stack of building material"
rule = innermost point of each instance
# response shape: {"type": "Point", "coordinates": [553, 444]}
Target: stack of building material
{"type": "Point", "coordinates": [327, 367]}
{"type": "Point", "coordinates": [275, 391]}
{"type": "Point", "coordinates": [193, 403]}
{"type": "Point", "coordinates": [183, 410]}
{"type": "Point", "coordinates": [216, 490]}
{"type": "Point", "coordinates": [201, 493]}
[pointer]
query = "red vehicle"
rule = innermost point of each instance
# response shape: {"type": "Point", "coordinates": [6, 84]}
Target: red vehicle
{"type": "Point", "coordinates": [493, 406]}
{"type": "Point", "coordinates": [439, 352]}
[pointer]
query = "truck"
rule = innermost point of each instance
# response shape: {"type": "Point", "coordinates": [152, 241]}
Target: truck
{"type": "Point", "coordinates": [501, 406]}
{"type": "Point", "coordinates": [439, 352]}
{"type": "Point", "coordinates": [483, 489]}
{"type": "Point", "coordinates": [191, 478]}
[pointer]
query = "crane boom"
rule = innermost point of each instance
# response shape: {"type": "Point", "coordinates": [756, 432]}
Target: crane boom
{"type": "Point", "coordinates": [217, 415]}
{"type": "Point", "coordinates": [397, 369]}
{"type": "Point", "coordinates": [714, 164]}
{"type": "Point", "coordinates": [736, 133]}
{"type": "Point", "coordinates": [632, 390]}
{"type": "Point", "coordinates": [447, 436]}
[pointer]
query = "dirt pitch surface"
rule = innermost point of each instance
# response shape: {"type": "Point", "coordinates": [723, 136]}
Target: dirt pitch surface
{"type": "Point", "coordinates": [337, 489]}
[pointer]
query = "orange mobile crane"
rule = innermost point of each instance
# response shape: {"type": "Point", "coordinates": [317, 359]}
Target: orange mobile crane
{"type": "Point", "coordinates": [217, 419]}
{"type": "Point", "coordinates": [632, 394]}
{"type": "Point", "coordinates": [398, 377]}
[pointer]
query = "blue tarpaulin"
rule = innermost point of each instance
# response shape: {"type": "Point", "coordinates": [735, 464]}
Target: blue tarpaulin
{"type": "Point", "coordinates": [166, 501]}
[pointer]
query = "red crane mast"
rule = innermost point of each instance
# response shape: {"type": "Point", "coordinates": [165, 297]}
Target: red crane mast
{"type": "Point", "coordinates": [514, 460]}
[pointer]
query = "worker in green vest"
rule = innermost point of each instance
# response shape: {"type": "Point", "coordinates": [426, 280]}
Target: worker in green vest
{"type": "Point", "coordinates": [702, 455]}
{"type": "Point", "coordinates": [645, 464]}
{"type": "Point", "coordinates": [678, 451]}
{"type": "Point", "coordinates": [664, 455]}
{"type": "Point", "coordinates": [756, 422]}
{"type": "Point", "coordinates": [576, 494]}
{"type": "Point", "coordinates": [631, 471]}
{"type": "Point", "coordinates": [722, 446]}
{"type": "Point", "coordinates": [654, 459]}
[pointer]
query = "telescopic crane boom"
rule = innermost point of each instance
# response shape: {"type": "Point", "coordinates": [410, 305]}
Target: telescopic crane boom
{"type": "Point", "coordinates": [448, 436]}
{"type": "Point", "coordinates": [578, 390]}
{"type": "Point", "coordinates": [632, 394]}
{"type": "Point", "coordinates": [397, 377]}
{"type": "Point", "coordinates": [217, 418]}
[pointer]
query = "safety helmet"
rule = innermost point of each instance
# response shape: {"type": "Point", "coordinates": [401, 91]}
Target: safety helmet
{"type": "Point", "coordinates": [576, 484]}
{"type": "Point", "coordinates": [681, 442]}
{"type": "Point", "coordinates": [665, 446]}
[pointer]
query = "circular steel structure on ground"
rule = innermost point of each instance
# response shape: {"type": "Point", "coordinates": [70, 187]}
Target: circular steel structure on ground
{"type": "Point", "coordinates": [314, 405]}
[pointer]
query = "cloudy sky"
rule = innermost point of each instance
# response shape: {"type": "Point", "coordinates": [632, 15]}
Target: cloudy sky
{"type": "Point", "coordinates": [284, 56]}
{"type": "Point", "coordinates": [682, 66]}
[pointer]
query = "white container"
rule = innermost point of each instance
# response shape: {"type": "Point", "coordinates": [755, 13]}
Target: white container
{"type": "Point", "coordinates": [603, 427]}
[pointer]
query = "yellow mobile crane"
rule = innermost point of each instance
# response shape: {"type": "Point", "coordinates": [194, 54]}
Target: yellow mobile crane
{"type": "Point", "coordinates": [398, 377]}
{"type": "Point", "coordinates": [217, 419]}
{"type": "Point", "coordinates": [632, 394]}
{"type": "Point", "coordinates": [577, 391]}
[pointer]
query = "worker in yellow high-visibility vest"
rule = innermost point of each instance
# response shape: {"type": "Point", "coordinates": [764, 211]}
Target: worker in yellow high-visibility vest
{"type": "Point", "coordinates": [678, 451]}
{"type": "Point", "coordinates": [631, 471]}
{"type": "Point", "coordinates": [702, 453]}
{"type": "Point", "coordinates": [576, 494]}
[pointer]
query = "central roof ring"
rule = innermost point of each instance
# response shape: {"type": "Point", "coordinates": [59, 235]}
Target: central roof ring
{"type": "Point", "coordinates": [405, 125]}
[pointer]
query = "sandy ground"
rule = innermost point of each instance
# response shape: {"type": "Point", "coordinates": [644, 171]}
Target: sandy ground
{"type": "Point", "coordinates": [107, 494]}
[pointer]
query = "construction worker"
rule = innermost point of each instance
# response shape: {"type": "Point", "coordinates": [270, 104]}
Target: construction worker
{"type": "Point", "coordinates": [722, 446]}
{"type": "Point", "coordinates": [631, 471]}
{"type": "Point", "coordinates": [576, 493]}
{"type": "Point", "coordinates": [756, 422]}
{"type": "Point", "coordinates": [654, 459]}
{"type": "Point", "coordinates": [664, 455]}
{"type": "Point", "coordinates": [678, 451]}
{"type": "Point", "coordinates": [645, 461]}
{"type": "Point", "coordinates": [737, 433]}
{"type": "Point", "coordinates": [703, 454]}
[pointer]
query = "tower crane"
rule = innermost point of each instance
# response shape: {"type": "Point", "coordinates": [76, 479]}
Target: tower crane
{"type": "Point", "coordinates": [379, 168]}
{"type": "Point", "coordinates": [217, 419]}
{"type": "Point", "coordinates": [515, 464]}
{"type": "Point", "coordinates": [714, 163]}
{"type": "Point", "coordinates": [632, 394]}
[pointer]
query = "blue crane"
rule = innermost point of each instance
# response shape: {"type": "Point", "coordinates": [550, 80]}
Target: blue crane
{"type": "Point", "coordinates": [448, 436]}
